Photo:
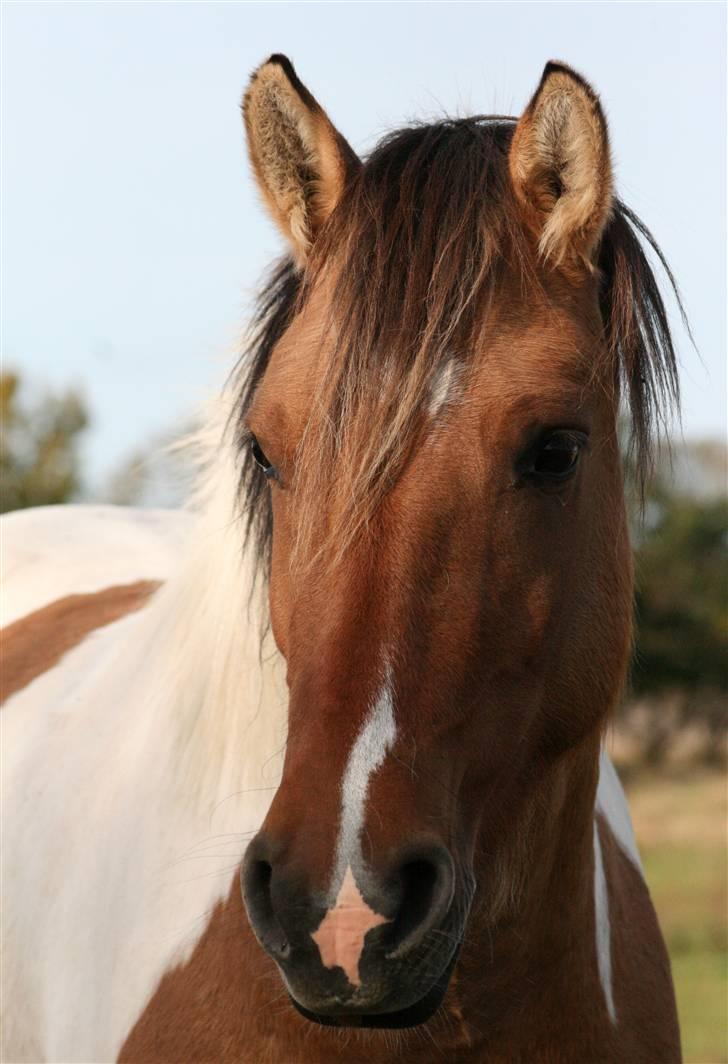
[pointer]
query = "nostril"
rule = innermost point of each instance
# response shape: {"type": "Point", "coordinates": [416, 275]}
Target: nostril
{"type": "Point", "coordinates": [417, 880]}
{"type": "Point", "coordinates": [257, 882]}
{"type": "Point", "coordinates": [257, 878]}
{"type": "Point", "coordinates": [426, 888]}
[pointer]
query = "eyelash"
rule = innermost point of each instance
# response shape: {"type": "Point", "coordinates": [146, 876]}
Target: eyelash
{"type": "Point", "coordinates": [261, 460]}
{"type": "Point", "coordinates": [542, 463]}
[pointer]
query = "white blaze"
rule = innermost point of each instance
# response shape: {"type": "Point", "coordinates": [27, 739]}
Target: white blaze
{"type": "Point", "coordinates": [374, 741]}
{"type": "Point", "coordinates": [341, 934]}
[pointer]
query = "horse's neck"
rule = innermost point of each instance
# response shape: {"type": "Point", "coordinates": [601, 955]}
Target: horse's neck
{"type": "Point", "coordinates": [178, 721]}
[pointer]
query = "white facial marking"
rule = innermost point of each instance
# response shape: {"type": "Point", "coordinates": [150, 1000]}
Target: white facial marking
{"type": "Point", "coordinates": [603, 926]}
{"type": "Point", "coordinates": [443, 387]}
{"type": "Point", "coordinates": [340, 935]}
{"type": "Point", "coordinates": [374, 741]}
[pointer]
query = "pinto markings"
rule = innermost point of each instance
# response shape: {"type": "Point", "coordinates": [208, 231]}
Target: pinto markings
{"type": "Point", "coordinates": [38, 641]}
{"type": "Point", "coordinates": [611, 802]}
{"type": "Point", "coordinates": [603, 926]}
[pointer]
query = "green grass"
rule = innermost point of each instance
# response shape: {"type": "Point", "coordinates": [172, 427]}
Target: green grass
{"type": "Point", "coordinates": [701, 985]}
{"type": "Point", "coordinates": [680, 824]}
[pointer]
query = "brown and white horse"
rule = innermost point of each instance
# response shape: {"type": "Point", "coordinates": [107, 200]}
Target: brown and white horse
{"type": "Point", "coordinates": [422, 453]}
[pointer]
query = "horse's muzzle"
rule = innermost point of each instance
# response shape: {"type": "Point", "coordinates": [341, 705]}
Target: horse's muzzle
{"type": "Point", "coordinates": [380, 954]}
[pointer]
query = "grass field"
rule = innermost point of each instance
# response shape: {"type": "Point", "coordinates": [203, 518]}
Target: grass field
{"type": "Point", "coordinates": [680, 821]}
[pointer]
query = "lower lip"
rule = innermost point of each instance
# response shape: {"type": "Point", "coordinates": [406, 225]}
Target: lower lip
{"type": "Point", "coordinates": [412, 1016]}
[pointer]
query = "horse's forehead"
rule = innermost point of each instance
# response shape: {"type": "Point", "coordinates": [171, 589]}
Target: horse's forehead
{"type": "Point", "coordinates": [534, 352]}
{"type": "Point", "coordinates": [547, 357]}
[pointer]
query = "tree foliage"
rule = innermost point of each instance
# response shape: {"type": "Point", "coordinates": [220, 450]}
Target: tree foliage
{"type": "Point", "coordinates": [679, 678]}
{"type": "Point", "coordinates": [39, 458]}
{"type": "Point", "coordinates": [682, 601]}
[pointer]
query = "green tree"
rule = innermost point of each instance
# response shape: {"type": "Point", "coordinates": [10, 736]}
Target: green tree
{"type": "Point", "coordinates": [39, 460]}
{"type": "Point", "coordinates": [682, 599]}
{"type": "Point", "coordinates": [679, 675]}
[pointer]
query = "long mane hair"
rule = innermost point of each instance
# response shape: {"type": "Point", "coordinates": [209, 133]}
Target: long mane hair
{"type": "Point", "coordinates": [428, 227]}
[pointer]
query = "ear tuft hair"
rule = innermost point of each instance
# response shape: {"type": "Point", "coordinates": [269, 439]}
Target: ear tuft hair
{"type": "Point", "coordinates": [301, 162]}
{"type": "Point", "coordinates": [560, 167]}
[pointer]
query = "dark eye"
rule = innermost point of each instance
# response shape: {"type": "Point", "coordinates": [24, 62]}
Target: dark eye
{"type": "Point", "coordinates": [260, 458]}
{"type": "Point", "coordinates": [556, 455]}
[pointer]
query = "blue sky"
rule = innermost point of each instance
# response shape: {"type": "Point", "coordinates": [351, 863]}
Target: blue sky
{"type": "Point", "coordinates": [133, 239]}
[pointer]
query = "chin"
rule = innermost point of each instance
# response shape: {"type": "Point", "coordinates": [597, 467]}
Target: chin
{"type": "Point", "coordinates": [411, 1015]}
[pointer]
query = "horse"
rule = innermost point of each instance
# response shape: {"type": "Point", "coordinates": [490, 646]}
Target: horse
{"type": "Point", "coordinates": [314, 769]}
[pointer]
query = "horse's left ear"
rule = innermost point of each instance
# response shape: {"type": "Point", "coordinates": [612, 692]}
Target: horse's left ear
{"type": "Point", "coordinates": [300, 159]}
{"type": "Point", "coordinates": [560, 167]}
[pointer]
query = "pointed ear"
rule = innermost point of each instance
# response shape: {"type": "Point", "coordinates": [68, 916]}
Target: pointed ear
{"type": "Point", "coordinates": [560, 167]}
{"type": "Point", "coordinates": [301, 162]}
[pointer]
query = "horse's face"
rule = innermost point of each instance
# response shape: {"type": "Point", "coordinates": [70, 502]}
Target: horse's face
{"type": "Point", "coordinates": [465, 637]}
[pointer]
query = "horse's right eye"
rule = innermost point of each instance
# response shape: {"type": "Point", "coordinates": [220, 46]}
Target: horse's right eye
{"type": "Point", "coordinates": [260, 458]}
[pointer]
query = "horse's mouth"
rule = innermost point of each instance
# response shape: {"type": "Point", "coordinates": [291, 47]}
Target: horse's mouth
{"type": "Point", "coordinates": [411, 1016]}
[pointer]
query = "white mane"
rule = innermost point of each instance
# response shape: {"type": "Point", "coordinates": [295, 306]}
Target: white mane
{"type": "Point", "coordinates": [134, 773]}
{"type": "Point", "coordinates": [221, 675]}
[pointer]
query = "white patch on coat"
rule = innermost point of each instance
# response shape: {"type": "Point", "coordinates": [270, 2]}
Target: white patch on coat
{"type": "Point", "coordinates": [374, 741]}
{"type": "Point", "coordinates": [49, 552]}
{"type": "Point", "coordinates": [134, 772]}
{"type": "Point", "coordinates": [603, 926]}
{"type": "Point", "coordinates": [612, 804]}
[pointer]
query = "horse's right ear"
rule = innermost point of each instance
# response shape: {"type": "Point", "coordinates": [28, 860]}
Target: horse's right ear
{"type": "Point", "coordinates": [301, 161]}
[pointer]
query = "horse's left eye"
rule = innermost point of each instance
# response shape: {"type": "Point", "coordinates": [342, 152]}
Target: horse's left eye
{"type": "Point", "coordinates": [557, 455]}
{"type": "Point", "coordinates": [260, 458]}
